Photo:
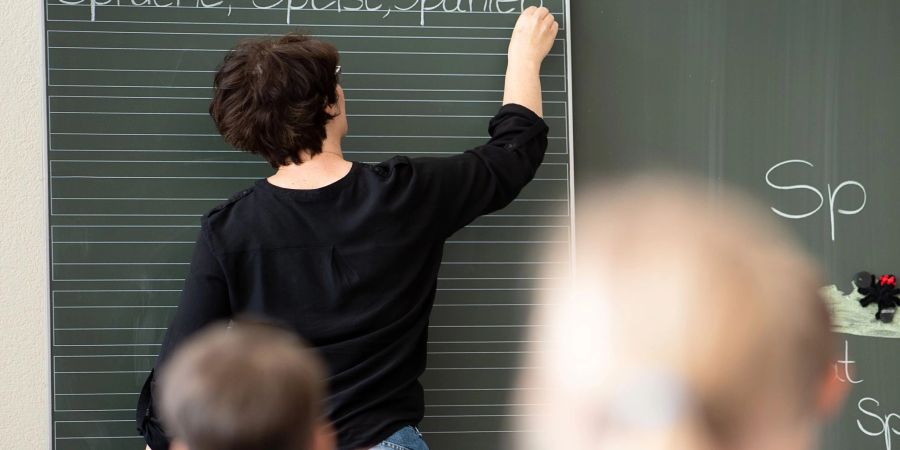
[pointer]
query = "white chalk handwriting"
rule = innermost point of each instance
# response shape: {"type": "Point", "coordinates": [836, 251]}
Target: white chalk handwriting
{"type": "Point", "coordinates": [884, 423]}
{"type": "Point", "coordinates": [832, 195]}
{"type": "Point", "coordinates": [421, 8]}
{"type": "Point", "coordinates": [871, 419]}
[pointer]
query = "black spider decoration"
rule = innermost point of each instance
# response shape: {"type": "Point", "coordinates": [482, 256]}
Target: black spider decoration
{"type": "Point", "coordinates": [884, 292]}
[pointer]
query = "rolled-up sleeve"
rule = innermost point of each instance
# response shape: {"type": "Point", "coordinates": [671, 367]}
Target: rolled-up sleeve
{"type": "Point", "coordinates": [489, 177]}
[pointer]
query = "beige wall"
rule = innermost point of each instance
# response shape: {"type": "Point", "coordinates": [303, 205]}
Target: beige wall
{"type": "Point", "coordinates": [24, 304]}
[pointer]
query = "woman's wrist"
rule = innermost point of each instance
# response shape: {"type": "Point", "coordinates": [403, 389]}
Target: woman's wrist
{"type": "Point", "coordinates": [523, 66]}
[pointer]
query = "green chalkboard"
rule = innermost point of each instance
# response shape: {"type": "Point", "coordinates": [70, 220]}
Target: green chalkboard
{"type": "Point", "coordinates": [806, 91]}
{"type": "Point", "coordinates": [135, 160]}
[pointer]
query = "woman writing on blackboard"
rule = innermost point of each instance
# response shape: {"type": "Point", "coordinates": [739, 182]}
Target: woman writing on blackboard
{"type": "Point", "coordinates": [345, 253]}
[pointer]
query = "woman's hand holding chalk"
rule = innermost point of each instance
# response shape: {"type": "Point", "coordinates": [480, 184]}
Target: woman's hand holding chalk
{"type": "Point", "coordinates": [531, 41]}
{"type": "Point", "coordinates": [533, 36]}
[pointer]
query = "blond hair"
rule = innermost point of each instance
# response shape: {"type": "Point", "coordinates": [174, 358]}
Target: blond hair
{"type": "Point", "coordinates": [247, 387]}
{"type": "Point", "coordinates": [688, 305]}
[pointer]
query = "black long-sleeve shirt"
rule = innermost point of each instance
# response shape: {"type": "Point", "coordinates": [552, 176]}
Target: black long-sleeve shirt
{"type": "Point", "coordinates": [352, 267]}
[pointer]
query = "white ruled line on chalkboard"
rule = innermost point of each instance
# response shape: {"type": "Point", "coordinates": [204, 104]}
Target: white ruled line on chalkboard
{"type": "Point", "coordinates": [76, 394]}
{"type": "Point", "coordinates": [164, 328]}
{"type": "Point", "coordinates": [116, 177]}
{"type": "Point", "coordinates": [290, 27]}
{"type": "Point", "coordinates": [218, 135]}
{"type": "Point", "coordinates": [318, 35]}
{"type": "Point", "coordinates": [95, 410]}
{"type": "Point", "coordinates": [482, 389]}
{"type": "Point", "coordinates": [159, 345]}
{"type": "Point", "coordinates": [343, 74]}
{"type": "Point", "coordinates": [92, 280]}
{"type": "Point", "coordinates": [477, 432]}
{"type": "Point", "coordinates": [345, 52]}
{"type": "Point", "coordinates": [108, 280]}
{"type": "Point", "coordinates": [436, 305]}
{"type": "Point", "coordinates": [349, 100]}
{"type": "Point", "coordinates": [194, 242]}
{"type": "Point", "coordinates": [101, 437]}
{"type": "Point", "coordinates": [153, 355]}
{"type": "Point", "coordinates": [347, 152]}
{"type": "Point", "coordinates": [427, 369]}
{"type": "Point", "coordinates": [429, 406]}
{"type": "Point", "coordinates": [140, 86]}
{"type": "Point", "coordinates": [439, 289]}
{"type": "Point", "coordinates": [425, 433]}
{"type": "Point", "coordinates": [200, 215]}
{"type": "Point", "coordinates": [427, 416]}
{"type": "Point", "coordinates": [151, 161]}
{"type": "Point", "coordinates": [198, 226]}
{"type": "Point", "coordinates": [476, 415]}
{"type": "Point", "coordinates": [94, 421]}
{"type": "Point", "coordinates": [108, 345]}
{"type": "Point", "coordinates": [349, 115]}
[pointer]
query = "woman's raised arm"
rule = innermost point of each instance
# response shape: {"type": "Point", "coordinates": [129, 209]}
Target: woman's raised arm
{"type": "Point", "coordinates": [531, 41]}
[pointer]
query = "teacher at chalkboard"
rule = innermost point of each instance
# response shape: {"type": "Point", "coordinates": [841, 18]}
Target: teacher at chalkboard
{"type": "Point", "coordinates": [345, 253]}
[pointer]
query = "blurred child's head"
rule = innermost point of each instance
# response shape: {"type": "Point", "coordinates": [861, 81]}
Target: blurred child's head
{"type": "Point", "coordinates": [692, 322]}
{"type": "Point", "coordinates": [247, 387]}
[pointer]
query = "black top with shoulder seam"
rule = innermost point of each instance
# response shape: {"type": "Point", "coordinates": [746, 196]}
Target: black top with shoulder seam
{"type": "Point", "coordinates": [352, 267]}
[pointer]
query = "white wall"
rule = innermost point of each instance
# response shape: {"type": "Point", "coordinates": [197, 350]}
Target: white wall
{"type": "Point", "coordinates": [24, 304]}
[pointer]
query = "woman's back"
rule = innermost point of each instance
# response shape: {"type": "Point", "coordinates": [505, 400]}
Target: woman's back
{"type": "Point", "coordinates": [353, 266]}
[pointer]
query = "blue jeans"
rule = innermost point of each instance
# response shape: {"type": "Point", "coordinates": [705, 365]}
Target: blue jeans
{"type": "Point", "coordinates": [407, 438]}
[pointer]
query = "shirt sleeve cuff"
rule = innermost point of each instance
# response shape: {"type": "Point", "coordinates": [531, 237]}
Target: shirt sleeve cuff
{"type": "Point", "coordinates": [517, 109]}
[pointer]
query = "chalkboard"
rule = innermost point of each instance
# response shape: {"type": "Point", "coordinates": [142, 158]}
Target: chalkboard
{"type": "Point", "coordinates": [135, 160]}
{"type": "Point", "coordinates": [766, 94]}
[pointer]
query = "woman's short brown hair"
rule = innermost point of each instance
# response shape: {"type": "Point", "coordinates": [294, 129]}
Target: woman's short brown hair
{"type": "Point", "coordinates": [270, 95]}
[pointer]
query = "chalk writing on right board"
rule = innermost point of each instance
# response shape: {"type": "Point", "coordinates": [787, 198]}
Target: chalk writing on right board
{"type": "Point", "coordinates": [847, 365]}
{"type": "Point", "coordinates": [883, 424]}
{"type": "Point", "coordinates": [877, 424]}
{"type": "Point", "coordinates": [832, 195]}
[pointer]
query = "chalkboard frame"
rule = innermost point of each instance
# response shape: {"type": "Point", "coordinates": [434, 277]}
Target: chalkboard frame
{"type": "Point", "coordinates": [46, 145]}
